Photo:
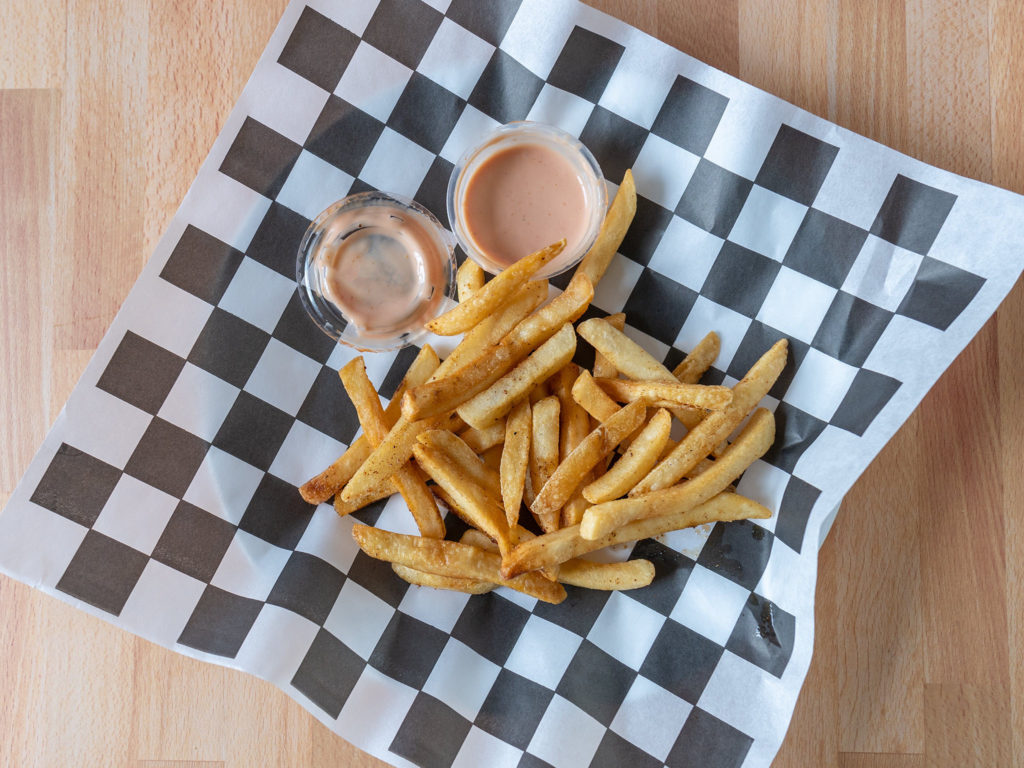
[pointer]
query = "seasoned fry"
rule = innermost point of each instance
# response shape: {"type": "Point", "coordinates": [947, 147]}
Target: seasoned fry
{"type": "Point", "coordinates": [544, 452]}
{"type": "Point", "coordinates": [753, 441]}
{"type": "Point", "coordinates": [406, 479]}
{"type": "Point", "coordinates": [642, 455]}
{"type": "Point", "coordinates": [469, 279]}
{"type": "Point", "coordinates": [454, 583]}
{"type": "Point", "coordinates": [492, 294]}
{"type": "Point", "coordinates": [450, 558]}
{"type": "Point", "coordinates": [554, 548]}
{"type": "Point", "coordinates": [630, 574]}
{"type": "Point", "coordinates": [613, 230]}
{"type": "Point", "coordinates": [515, 459]}
{"type": "Point", "coordinates": [382, 491]}
{"type": "Point", "coordinates": [598, 444]}
{"type": "Point", "coordinates": [592, 398]}
{"type": "Point", "coordinates": [482, 439]}
{"type": "Point", "coordinates": [477, 538]}
{"type": "Point", "coordinates": [665, 394]}
{"type": "Point", "coordinates": [716, 427]}
{"type": "Point", "coordinates": [492, 457]}
{"type": "Point", "coordinates": [575, 425]}
{"type": "Point", "coordinates": [494, 402]}
{"type": "Point", "coordinates": [463, 457]}
{"type": "Point", "coordinates": [701, 358]}
{"type": "Point", "coordinates": [603, 368]}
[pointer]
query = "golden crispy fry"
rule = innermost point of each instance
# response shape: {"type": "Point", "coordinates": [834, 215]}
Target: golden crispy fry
{"type": "Point", "coordinates": [575, 426]}
{"type": "Point", "coordinates": [492, 294]}
{"type": "Point", "coordinates": [515, 459]}
{"type": "Point", "coordinates": [477, 538]}
{"type": "Point", "coordinates": [594, 447]}
{"type": "Point", "coordinates": [592, 398]}
{"type": "Point", "coordinates": [482, 439]}
{"type": "Point", "coordinates": [463, 457]}
{"type": "Point", "coordinates": [443, 394]}
{"type": "Point", "coordinates": [665, 394]}
{"type": "Point", "coordinates": [701, 358]}
{"type": "Point", "coordinates": [642, 455]}
{"type": "Point", "coordinates": [453, 583]}
{"type": "Point", "coordinates": [544, 452]}
{"type": "Point", "coordinates": [613, 230]}
{"type": "Point", "coordinates": [539, 392]}
{"type": "Point", "coordinates": [563, 545]}
{"type": "Point", "coordinates": [450, 558]}
{"type": "Point", "coordinates": [469, 279]}
{"type": "Point", "coordinates": [630, 574]}
{"type": "Point", "coordinates": [753, 441]}
{"type": "Point", "coordinates": [603, 369]}
{"type": "Point", "coordinates": [716, 427]}
{"type": "Point", "coordinates": [494, 402]}
{"type": "Point", "coordinates": [382, 491]}
{"type": "Point", "coordinates": [407, 480]}
{"type": "Point", "coordinates": [492, 457]}
{"type": "Point", "coordinates": [333, 479]}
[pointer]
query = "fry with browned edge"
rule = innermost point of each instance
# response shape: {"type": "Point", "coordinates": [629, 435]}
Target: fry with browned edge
{"type": "Point", "coordinates": [544, 456]}
{"type": "Point", "coordinates": [515, 459]}
{"type": "Point", "coordinates": [667, 394]}
{"type": "Point", "coordinates": [469, 279]}
{"type": "Point", "coordinates": [642, 454]}
{"type": "Point", "coordinates": [613, 230]}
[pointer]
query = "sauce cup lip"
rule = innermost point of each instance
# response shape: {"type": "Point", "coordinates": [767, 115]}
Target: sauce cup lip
{"type": "Point", "coordinates": [326, 315]}
{"type": "Point", "coordinates": [525, 130]}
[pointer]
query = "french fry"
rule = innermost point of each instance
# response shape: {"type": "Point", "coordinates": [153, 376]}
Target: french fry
{"type": "Point", "coordinates": [701, 358]}
{"type": "Point", "coordinates": [630, 574]}
{"type": "Point", "coordinates": [485, 408]}
{"type": "Point", "coordinates": [477, 538]}
{"type": "Point", "coordinates": [383, 491]}
{"type": "Point", "coordinates": [465, 459]}
{"type": "Point", "coordinates": [453, 583]}
{"type": "Point", "coordinates": [575, 426]}
{"type": "Point", "coordinates": [603, 369]}
{"type": "Point", "coordinates": [629, 470]}
{"type": "Point", "coordinates": [492, 294]}
{"type": "Point", "coordinates": [613, 230]}
{"type": "Point", "coordinates": [482, 439]}
{"type": "Point", "coordinates": [469, 279]}
{"type": "Point", "coordinates": [756, 437]}
{"type": "Point", "coordinates": [450, 558]}
{"type": "Point", "coordinates": [515, 459]}
{"type": "Point", "coordinates": [492, 457]}
{"type": "Point", "coordinates": [592, 398]}
{"type": "Point", "coordinates": [716, 427]}
{"type": "Point", "coordinates": [598, 444]}
{"type": "Point", "coordinates": [665, 394]}
{"type": "Point", "coordinates": [539, 392]}
{"type": "Point", "coordinates": [544, 452]}
{"type": "Point", "coordinates": [406, 479]}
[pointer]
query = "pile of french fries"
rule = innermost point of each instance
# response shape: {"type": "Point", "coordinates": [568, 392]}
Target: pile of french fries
{"type": "Point", "coordinates": [509, 422]}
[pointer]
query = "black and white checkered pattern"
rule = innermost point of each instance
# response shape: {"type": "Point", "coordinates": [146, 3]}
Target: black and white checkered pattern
{"type": "Point", "coordinates": [164, 498]}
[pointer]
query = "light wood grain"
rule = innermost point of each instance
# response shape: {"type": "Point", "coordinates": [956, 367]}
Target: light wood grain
{"type": "Point", "coordinates": [920, 606]}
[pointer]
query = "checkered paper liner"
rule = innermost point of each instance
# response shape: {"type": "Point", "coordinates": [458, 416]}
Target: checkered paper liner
{"type": "Point", "coordinates": [164, 498]}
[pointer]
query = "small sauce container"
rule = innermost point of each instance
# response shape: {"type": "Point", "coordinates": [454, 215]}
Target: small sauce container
{"type": "Point", "coordinates": [373, 269]}
{"type": "Point", "coordinates": [522, 187]}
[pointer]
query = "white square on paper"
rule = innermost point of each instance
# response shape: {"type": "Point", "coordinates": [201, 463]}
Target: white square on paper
{"type": "Point", "coordinates": [612, 293]}
{"type": "Point", "coordinates": [480, 748]}
{"type": "Point", "coordinates": [373, 81]}
{"type": "Point", "coordinates": [768, 223]}
{"type": "Point", "coordinates": [651, 718]}
{"type": "Point", "coordinates": [304, 454]}
{"type": "Point", "coordinates": [397, 518]}
{"type": "Point", "coordinates": [258, 295]}
{"type": "Point", "coordinates": [796, 304]}
{"type": "Point", "coordinates": [686, 253]}
{"type": "Point", "coordinates": [282, 377]}
{"type": "Point", "coordinates": [662, 170]}
{"type": "Point", "coordinates": [461, 678]}
{"type": "Point", "coordinates": [820, 384]}
{"type": "Point", "coordinates": [250, 566]}
{"type": "Point", "coordinates": [146, 313]}
{"type": "Point", "coordinates": [567, 736]}
{"type": "Point", "coordinates": [766, 485]}
{"type": "Point", "coordinates": [352, 16]}
{"type": "Point", "coordinates": [224, 208]}
{"type": "Point", "coordinates": [456, 58]}
{"type": "Point", "coordinates": [543, 652]}
{"type": "Point", "coordinates": [735, 146]}
{"type": "Point", "coordinates": [536, 36]}
{"type": "Point", "coordinates": [641, 81]}
{"type": "Point", "coordinates": [706, 316]}
{"type": "Point", "coordinates": [657, 349]}
{"type": "Point", "coordinates": [856, 186]}
{"type": "Point", "coordinates": [396, 164]}
{"type": "Point", "coordinates": [161, 603]}
{"type": "Point", "coordinates": [440, 608]}
{"type": "Point", "coordinates": [710, 604]}
{"type": "Point", "coordinates": [93, 411]}
{"type": "Point", "coordinates": [223, 485]}
{"type": "Point", "coordinates": [135, 514]}
{"type": "Point", "coordinates": [198, 402]}
{"type": "Point", "coordinates": [626, 629]}
{"type": "Point", "coordinates": [329, 537]}
{"type": "Point", "coordinates": [562, 109]}
{"type": "Point", "coordinates": [471, 127]}
{"type": "Point", "coordinates": [358, 618]}
{"type": "Point", "coordinates": [374, 711]}
{"type": "Point", "coordinates": [786, 581]}
{"type": "Point", "coordinates": [26, 530]}
{"type": "Point", "coordinates": [313, 185]}
{"type": "Point", "coordinates": [288, 103]}
{"type": "Point", "coordinates": [882, 273]}
{"type": "Point", "coordinates": [275, 628]}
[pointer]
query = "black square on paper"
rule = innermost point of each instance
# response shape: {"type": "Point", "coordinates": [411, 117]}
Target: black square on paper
{"type": "Point", "coordinates": [506, 90]}
{"type": "Point", "coordinates": [532, 761]}
{"type": "Point", "coordinates": [490, 625]}
{"type": "Point", "coordinates": [868, 394]}
{"type": "Point", "coordinates": [328, 409]}
{"type": "Point", "coordinates": [403, 29]}
{"type": "Point", "coordinates": [599, 695]}
{"type": "Point", "coordinates": [614, 141]}
{"type": "Point", "coordinates": [939, 294]}
{"type": "Point", "coordinates": [167, 457]}
{"type": "Point", "coordinates": [260, 158]}
{"type": "Point", "coordinates": [301, 334]}
{"type": "Point", "coordinates": [658, 305]}
{"type": "Point", "coordinates": [426, 113]}
{"type": "Point", "coordinates": [328, 673]}
{"type": "Point", "coordinates": [644, 234]}
{"type": "Point", "coordinates": [431, 733]}
{"type": "Point", "coordinates": [740, 279]}
{"type": "Point", "coordinates": [433, 191]}
{"type": "Point", "coordinates": [794, 511]}
{"type": "Point", "coordinates": [253, 431]}
{"type": "Point", "coordinates": [201, 264]}
{"type": "Point", "coordinates": [307, 586]}
{"type": "Point", "coordinates": [707, 742]}
{"type": "Point", "coordinates": [912, 214]}
{"type": "Point", "coordinates": [690, 115]}
{"type": "Point", "coordinates": [851, 328]}
{"type": "Point", "coordinates": [737, 550]}
{"type": "Point", "coordinates": [713, 198]}
{"type": "Point", "coordinates": [194, 541]}
{"type": "Point", "coordinates": [408, 650]}
{"type": "Point", "coordinates": [764, 635]}
{"type": "Point", "coordinates": [276, 242]}
{"type": "Point", "coordinates": [513, 709]}
{"type": "Point", "coordinates": [681, 661]}
{"type": "Point", "coordinates": [397, 371]}
{"type": "Point", "coordinates": [76, 485]}
{"type": "Point", "coordinates": [825, 248]}
{"type": "Point", "coordinates": [795, 430]}
{"type": "Point", "coordinates": [228, 347]}
{"type": "Point", "coordinates": [220, 622]}
{"type": "Point", "coordinates": [376, 575]}
{"type": "Point", "coordinates": [489, 21]}
{"type": "Point", "coordinates": [103, 572]}
{"type": "Point", "coordinates": [276, 513]}
{"type": "Point", "coordinates": [671, 572]}
{"type": "Point", "coordinates": [141, 373]}
{"type": "Point", "coordinates": [585, 64]}
{"type": "Point", "coordinates": [344, 136]}
{"type": "Point", "coordinates": [318, 49]}
{"type": "Point", "coordinates": [758, 339]}
{"type": "Point", "coordinates": [615, 752]}
{"type": "Point", "coordinates": [369, 515]}
{"type": "Point", "coordinates": [796, 165]}
{"type": "Point", "coordinates": [577, 612]}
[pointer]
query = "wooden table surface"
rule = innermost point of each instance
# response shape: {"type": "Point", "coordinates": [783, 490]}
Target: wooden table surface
{"type": "Point", "coordinates": [107, 108]}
